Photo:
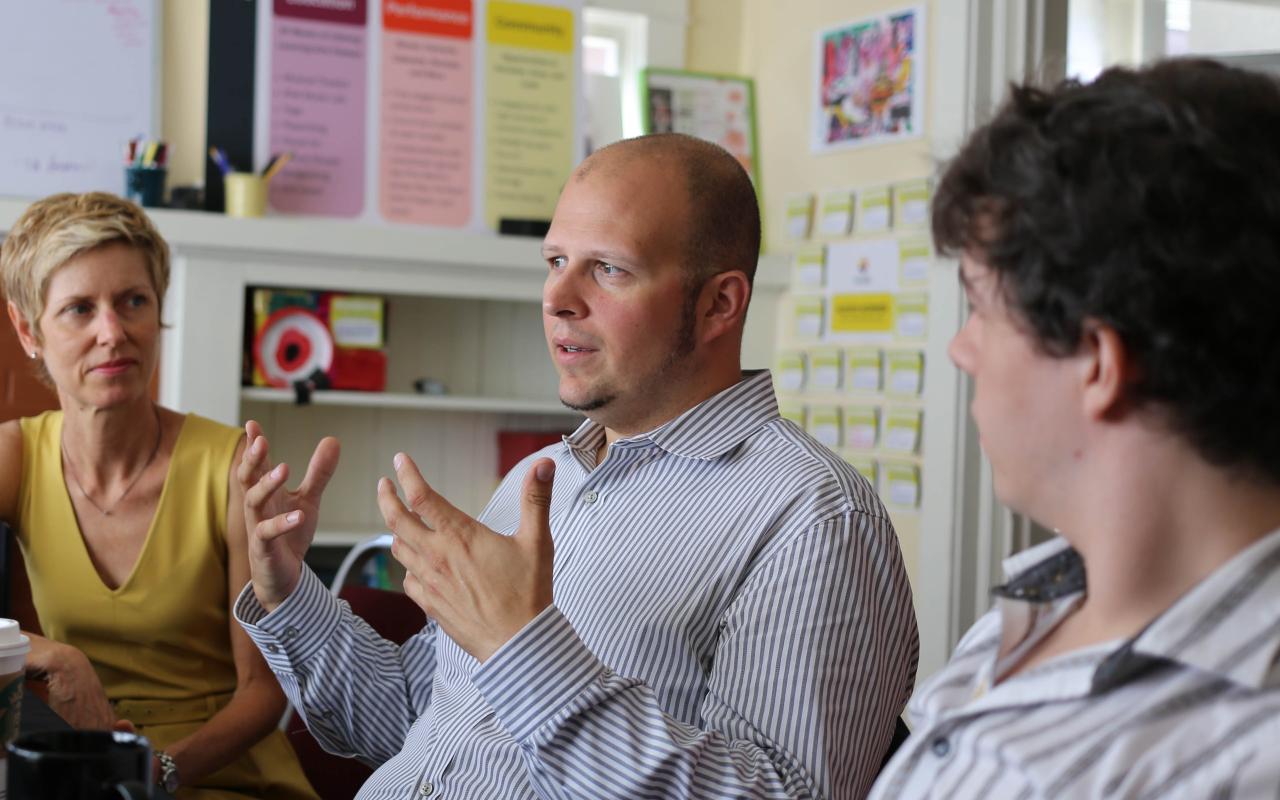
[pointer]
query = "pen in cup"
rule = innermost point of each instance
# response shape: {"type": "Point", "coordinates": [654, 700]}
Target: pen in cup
{"type": "Point", "coordinates": [276, 164]}
{"type": "Point", "coordinates": [220, 159]}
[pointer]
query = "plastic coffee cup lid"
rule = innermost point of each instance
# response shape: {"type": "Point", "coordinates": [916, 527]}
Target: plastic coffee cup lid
{"type": "Point", "coordinates": [12, 642]}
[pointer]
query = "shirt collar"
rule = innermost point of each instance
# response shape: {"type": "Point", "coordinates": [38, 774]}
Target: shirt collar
{"type": "Point", "coordinates": [708, 430]}
{"type": "Point", "coordinates": [1043, 573]}
{"type": "Point", "coordinates": [1225, 625]}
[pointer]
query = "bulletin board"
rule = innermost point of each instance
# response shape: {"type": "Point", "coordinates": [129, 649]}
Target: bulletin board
{"type": "Point", "coordinates": [854, 330]}
{"type": "Point", "coordinates": [718, 108]}
{"type": "Point", "coordinates": [443, 113]}
{"type": "Point", "coordinates": [80, 83]}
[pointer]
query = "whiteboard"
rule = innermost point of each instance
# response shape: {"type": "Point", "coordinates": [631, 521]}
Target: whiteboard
{"type": "Point", "coordinates": [77, 82]}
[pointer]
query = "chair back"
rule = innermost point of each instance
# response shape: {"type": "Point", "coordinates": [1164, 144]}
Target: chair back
{"type": "Point", "coordinates": [900, 734]}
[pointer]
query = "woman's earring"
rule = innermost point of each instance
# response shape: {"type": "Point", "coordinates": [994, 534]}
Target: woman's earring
{"type": "Point", "coordinates": [33, 355]}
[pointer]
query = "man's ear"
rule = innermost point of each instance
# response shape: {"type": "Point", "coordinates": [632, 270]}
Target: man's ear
{"type": "Point", "coordinates": [26, 335]}
{"type": "Point", "coordinates": [722, 303]}
{"type": "Point", "coordinates": [1107, 370]}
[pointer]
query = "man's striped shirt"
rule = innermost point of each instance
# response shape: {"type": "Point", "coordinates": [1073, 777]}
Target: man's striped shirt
{"type": "Point", "coordinates": [731, 619]}
{"type": "Point", "coordinates": [1188, 708]}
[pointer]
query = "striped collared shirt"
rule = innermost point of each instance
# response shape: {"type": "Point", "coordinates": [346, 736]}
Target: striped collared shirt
{"type": "Point", "coordinates": [1188, 708]}
{"type": "Point", "coordinates": [731, 619]}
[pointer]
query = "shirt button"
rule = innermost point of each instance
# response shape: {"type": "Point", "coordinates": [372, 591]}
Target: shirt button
{"type": "Point", "coordinates": [290, 632]}
{"type": "Point", "coordinates": [590, 497]}
{"type": "Point", "coordinates": [426, 789]}
{"type": "Point", "coordinates": [273, 648]}
{"type": "Point", "coordinates": [941, 747]}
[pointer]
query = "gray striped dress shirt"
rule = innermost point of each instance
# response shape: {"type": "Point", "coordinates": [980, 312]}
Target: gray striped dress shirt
{"type": "Point", "coordinates": [731, 619]}
{"type": "Point", "coordinates": [1188, 708]}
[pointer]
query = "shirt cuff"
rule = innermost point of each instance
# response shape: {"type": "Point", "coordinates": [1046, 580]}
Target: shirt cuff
{"type": "Point", "coordinates": [298, 627]}
{"type": "Point", "coordinates": [537, 674]}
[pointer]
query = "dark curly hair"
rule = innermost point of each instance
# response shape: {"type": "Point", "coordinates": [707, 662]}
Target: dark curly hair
{"type": "Point", "coordinates": [1147, 200]}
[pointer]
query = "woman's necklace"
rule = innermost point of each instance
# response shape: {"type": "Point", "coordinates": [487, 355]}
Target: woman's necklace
{"type": "Point", "coordinates": [106, 512]}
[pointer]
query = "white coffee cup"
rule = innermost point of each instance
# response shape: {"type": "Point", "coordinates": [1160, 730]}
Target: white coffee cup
{"type": "Point", "coordinates": [13, 658]}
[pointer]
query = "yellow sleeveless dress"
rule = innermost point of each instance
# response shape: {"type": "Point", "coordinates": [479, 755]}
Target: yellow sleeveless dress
{"type": "Point", "coordinates": [160, 642]}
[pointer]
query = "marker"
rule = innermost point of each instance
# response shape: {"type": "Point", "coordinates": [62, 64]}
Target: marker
{"type": "Point", "coordinates": [149, 159]}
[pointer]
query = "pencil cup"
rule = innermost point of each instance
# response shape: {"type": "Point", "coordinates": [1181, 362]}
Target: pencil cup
{"type": "Point", "coordinates": [145, 185]}
{"type": "Point", "coordinates": [246, 194]}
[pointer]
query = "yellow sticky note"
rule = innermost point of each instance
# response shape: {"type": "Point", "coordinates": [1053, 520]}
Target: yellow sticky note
{"type": "Point", "coordinates": [836, 215]}
{"type": "Point", "coordinates": [900, 484]}
{"type": "Point", "coordinates": [861, 426]}
{"type": "Point", "coordinates": [824, 368]}
{"type": "Point", "coordinates": [809, 268]}
{"type": "Point", "coordinates": [824, 425]}
{"type": "Point", "coordinates": [911, 203]}
{"type": "Point", "coordinates": [862, 313]}
{"type": "Point", "coordinates": [356, 321]}
{"type": "Point", "coordinates": [915, 254]}
{"type": "Point", "coordinates": [799, 215]}
{"type": "Point", "coordinates": [790, 371]}
{"type": "Point", "coordinates": [875, 209]}
{"type": "Point", "coordinates": [862, 368]}
{"type": "Point", "coordinates": [905, 372]}
{"type": "Point", "coordinates": [902, 430]}
{"type": "Point", "coordinates": [913, 315]}
{"type": "Point", "coordinates": [808, 317]}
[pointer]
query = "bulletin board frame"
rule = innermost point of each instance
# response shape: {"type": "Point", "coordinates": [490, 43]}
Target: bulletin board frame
{"type": "Point", "coordinates": [659, 83]}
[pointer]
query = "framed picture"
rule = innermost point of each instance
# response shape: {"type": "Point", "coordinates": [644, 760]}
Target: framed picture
{"type": "Point", "coordinates": [869, 86]}
{"type": "Point", "coordinates": [718, 108]}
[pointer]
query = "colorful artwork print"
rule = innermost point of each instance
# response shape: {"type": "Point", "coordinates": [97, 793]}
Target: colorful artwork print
{"type": "Point", "coordinates": [870, 74]}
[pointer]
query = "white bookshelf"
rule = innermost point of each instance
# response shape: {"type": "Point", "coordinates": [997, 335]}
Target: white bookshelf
{"type": "Point", "coordinates": [422, 402]}
{"type": "Point", "coordinates": [464, 308]}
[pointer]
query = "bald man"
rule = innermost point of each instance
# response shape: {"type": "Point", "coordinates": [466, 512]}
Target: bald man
{"type": "Point", "coordinates": [688, 597]}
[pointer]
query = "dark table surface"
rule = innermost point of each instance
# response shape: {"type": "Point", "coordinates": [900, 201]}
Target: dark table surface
{"type": "Point", "coordinates": [37, 716]}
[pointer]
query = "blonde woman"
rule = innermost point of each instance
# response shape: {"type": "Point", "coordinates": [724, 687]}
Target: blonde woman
{"type": "Point", "coordinates": [127, 514]}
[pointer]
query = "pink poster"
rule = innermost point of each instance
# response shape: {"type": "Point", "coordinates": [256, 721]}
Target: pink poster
{"type": "Point", "coordinates": [426, 126]}
{"type": "Point", "coordinates": [319, 63]}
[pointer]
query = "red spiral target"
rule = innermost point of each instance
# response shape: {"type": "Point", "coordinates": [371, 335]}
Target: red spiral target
{"type": "Point", "coordinates": [292, 344]}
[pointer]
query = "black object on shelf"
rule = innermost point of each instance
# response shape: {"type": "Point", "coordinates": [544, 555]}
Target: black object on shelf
{"type": "Point", "coordinates": [229, 119]}
{"type": "Point", "coordinates": [524, 227]}
{"type": "Point", "coordinates": [302, 389]}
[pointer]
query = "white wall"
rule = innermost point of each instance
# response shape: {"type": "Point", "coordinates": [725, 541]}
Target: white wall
{"type": "Point", "coordinates": [1223, 26]}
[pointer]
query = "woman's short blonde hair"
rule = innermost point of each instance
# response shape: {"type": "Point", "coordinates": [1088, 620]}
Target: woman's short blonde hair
{"type": "Point", "coordinates": [60, 227]}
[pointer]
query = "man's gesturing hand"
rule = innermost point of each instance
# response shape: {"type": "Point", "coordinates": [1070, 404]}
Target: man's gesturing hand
{"type": "Point", "coordinates": [281, 523]}
{"type": "Point", "coordinates": [480, 586]}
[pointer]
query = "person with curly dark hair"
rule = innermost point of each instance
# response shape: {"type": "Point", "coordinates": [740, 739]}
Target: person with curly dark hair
{"type": "Point", "coordinates": [1120, 249]}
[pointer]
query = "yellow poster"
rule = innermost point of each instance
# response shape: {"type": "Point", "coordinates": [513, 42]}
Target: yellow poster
{"type": "Point", "coordinates": [862, 313]}
{"type": "Point", "coordinates": [530, 91]}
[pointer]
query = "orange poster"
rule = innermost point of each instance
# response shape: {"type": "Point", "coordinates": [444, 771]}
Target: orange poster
{"type": "Point", "coordinates": [426, 155]}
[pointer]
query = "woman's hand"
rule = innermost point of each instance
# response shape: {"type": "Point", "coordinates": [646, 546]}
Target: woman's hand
{"type": "Point", "coordinates": [75, 692]}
